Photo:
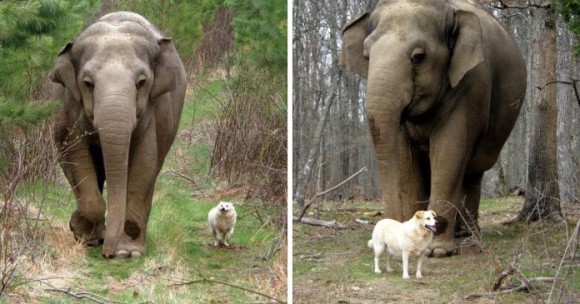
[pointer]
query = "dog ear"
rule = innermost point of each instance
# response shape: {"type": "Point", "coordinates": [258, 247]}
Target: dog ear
{"type": "Point", "coordinates": [434, 214]}
{"type": "Point", "coordinates": [419, 214]}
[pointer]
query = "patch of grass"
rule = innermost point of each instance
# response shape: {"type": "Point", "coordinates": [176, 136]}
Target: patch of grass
{"type": "Point", "coordinates": [333, 266]}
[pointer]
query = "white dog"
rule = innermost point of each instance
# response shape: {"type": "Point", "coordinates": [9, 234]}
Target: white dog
{"type": "Point", "coordinates": [403, 239]}
{"type": "Point", "coordinates": [221, 220]}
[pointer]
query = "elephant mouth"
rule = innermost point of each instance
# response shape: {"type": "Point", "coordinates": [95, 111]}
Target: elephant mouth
{"type": "Point", "coordinates": [431, 228]}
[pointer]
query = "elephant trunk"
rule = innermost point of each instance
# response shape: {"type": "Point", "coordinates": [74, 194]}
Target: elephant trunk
{"type": "Point", "coordinates": [389, 92]}
{"type": "Point", "coordinates": [115, 119]}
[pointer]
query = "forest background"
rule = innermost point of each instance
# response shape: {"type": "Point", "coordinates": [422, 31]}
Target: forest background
{"type": "Point", "coordinates": [540, 158]}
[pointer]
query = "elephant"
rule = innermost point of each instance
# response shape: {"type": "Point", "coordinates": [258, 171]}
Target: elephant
{"type": "Point", "coordinates": [121, 84]}
{"type": "Point", "coordinates": [445, 84]}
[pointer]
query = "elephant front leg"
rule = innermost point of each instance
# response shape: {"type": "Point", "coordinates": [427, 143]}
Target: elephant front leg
{"type": "Point", "coordinates": [86, 178]}
{"type": "Point", "coordinates": [140, 187]}
{"type": "Point", "coordinates": [448, 154]}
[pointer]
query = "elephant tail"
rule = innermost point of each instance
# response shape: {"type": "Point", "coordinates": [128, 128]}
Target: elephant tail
{"type": "Point", "coordinates": [370, 243]}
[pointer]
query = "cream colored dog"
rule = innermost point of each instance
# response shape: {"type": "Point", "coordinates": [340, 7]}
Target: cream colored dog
{"type": "Point", "coordinates": [221, 220]}
{"type": "Point", "coordinates": [403, 239]}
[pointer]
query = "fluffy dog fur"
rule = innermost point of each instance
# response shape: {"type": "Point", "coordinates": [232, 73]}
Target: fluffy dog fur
{"type": "Point", "coordinates": [403, 239]}
{"type": "Point", "coordinates": [221, 220]}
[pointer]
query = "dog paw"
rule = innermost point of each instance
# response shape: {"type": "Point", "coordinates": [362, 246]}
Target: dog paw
{"type": "Point", "coordinates": [389, 269]}
{"type": "Point", "coordinates": [377, 271]}
{"type": "Point", "coordinates": [419, 276]}
{"type": "Point", "coordinates": [405, 276]}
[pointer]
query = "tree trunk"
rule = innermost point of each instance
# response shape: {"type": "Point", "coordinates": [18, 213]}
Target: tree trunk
{"type": "Point", "coordinates": [303, 177]}
{"type": "Point", "coordinates": [543, 193]}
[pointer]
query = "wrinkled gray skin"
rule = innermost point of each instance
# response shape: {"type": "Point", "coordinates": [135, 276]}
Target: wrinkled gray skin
{"type": "Point", "coordinates": [445, 86]}
{"type": "Point", "coordinates": [122, 86]}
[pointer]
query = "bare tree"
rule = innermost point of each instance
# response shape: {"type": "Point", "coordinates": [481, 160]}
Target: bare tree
{"type": "Point", "coordinates": [543, 192]}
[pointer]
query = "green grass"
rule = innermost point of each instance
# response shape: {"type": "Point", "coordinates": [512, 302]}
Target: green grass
{"type": "Point", "coordinates": [179, 243]}
{"type": "Point", "coordinates": [335, 266]}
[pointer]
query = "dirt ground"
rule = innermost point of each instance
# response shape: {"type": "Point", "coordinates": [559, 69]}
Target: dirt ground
{"type": "Point", "coordinates": [335, 265]}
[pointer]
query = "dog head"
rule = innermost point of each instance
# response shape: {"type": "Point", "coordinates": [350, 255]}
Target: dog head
{"type": "Point", "coordinates": [225, 207]}
{"type": "Point", "coordinates": [427, 219]}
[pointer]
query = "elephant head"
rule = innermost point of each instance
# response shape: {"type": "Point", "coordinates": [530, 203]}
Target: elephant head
{"type": "Point", "coordinates": [115, 70]}
{"type": "Point", "coordinates": [412, 53]}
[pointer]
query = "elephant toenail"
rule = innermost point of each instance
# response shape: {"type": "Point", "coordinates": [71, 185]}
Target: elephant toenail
{"type": "Point", "coordinates": [122, 254]}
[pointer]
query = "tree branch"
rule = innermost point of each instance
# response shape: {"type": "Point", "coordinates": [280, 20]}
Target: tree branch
{"type": "Point", "coordinates": [315, 222]}
{"type": "Point", "coordinates": [328, 190]}
{"type": "Point", "coordinates": [204, 280]}
{"type": "Point", "coordinates": [524, 286]}
{"type": "Point", "coordinates": [86, 295]}
{"type": "Point", "coordinates": [571, 246]}
{"type": "Point", "coordinates": [572, 83]}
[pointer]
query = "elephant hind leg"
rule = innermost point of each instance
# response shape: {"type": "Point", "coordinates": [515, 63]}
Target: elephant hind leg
{"type": "Point", "coordinates": [467, 220]}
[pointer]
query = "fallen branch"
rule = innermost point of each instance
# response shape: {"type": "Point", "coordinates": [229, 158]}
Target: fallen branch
{"type": "Point", "coordinates": [504, 274]}
{"type": "Point", "coordinates": [524, 286]}
{"type": "Point", "coordinates": [362, 222]}
{"type": "Point", "coordinates": [204, 280]}
{"type": "Point", "coordinates": [85, 295]}
{"type": "Point", "coordinates": [313, 199]}
{"type": "Point", "coordinates": [315, 222]}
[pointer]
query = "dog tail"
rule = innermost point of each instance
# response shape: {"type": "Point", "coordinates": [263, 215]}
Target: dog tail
{"type": "Point", "coordinates": [370, 243]}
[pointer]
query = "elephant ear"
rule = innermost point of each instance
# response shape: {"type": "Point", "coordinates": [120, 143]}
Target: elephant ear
{"type": "Point", "coordinates": [64, 72]}
{"type": "Point", "coordinates": [352, 56]}
{"type": "Point", "coordinates": [167, 68]}
{"type": "Point", "coordinates": [467, 46]}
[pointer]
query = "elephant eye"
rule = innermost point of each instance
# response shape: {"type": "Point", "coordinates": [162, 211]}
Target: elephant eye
{"type": "Point", "coordinates": [417, 56]}
{"type": "Point", "coordinates": [88, 83]}
{"type": "Point", "coordinates": [141, 82]}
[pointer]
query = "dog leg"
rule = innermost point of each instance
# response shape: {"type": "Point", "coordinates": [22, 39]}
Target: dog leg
{"type": "Point", "coordinates": [405, 264]}
{"type": "Point", "coordinates": [419, 264]}
{"type": "Point", "coordinates": [215, 237]}
{"type": "Point", "coordinates": [379, 248]}
{"type": "Point", "coordinates": [389, 268]}
{"type": "Point", "coordinates": [226, 238]}
{"type": "Point", "coordinates": [229, 236]}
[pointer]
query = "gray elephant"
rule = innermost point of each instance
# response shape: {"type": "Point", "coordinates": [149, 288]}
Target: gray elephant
{"type": "Point", "coordinates": [122, 86]}
{"type": "Point", "coordinates": [445, 86]}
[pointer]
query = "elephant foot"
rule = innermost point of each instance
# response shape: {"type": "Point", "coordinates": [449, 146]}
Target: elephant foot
{"type": "Point", "coordinates": [441, 249]}
{"type": "Point", "coordinates": [467, 247]}
{"type": "Point", "coordinates": [468, 229]}
{"type": "Point", "coordinates": [129, 249]}
{"type": "Point", "coordinates": [86, 232]}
